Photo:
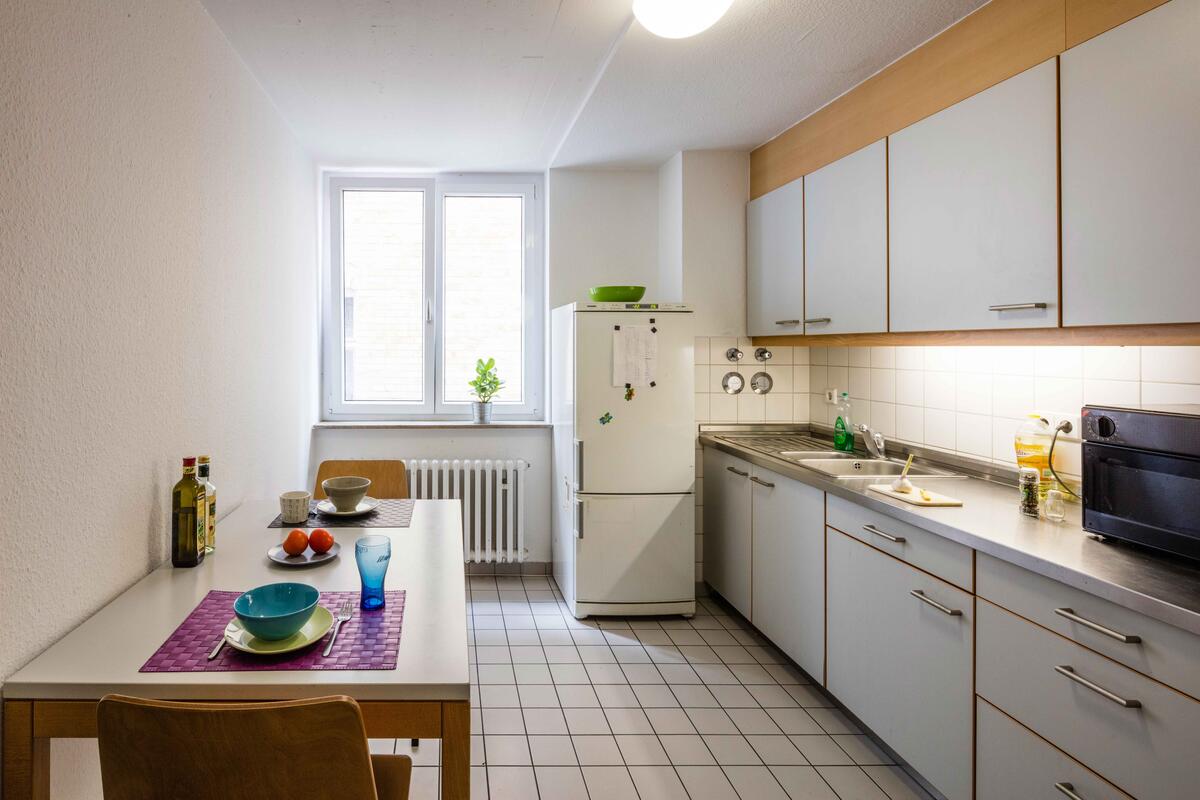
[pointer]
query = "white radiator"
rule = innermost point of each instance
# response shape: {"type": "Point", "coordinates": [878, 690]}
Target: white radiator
{"type": "Point", "coordinates": [493, 502]}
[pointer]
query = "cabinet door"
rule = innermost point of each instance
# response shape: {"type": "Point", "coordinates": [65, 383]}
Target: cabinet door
{"type": "Point", "coordinates": [1131, 171]}
{"type": "Point", "coordinates": [775, 261]}
{"type": "Point", "coordinates": [974, 211]}
{"type": "Point", "coordinates": [789, 567]}
{"type": "Point", "coordinates": [900, 664]}
{"type": "Point", "coordinates": [727, 544]}
{"type": "Point", "coordinates": [845, 244]}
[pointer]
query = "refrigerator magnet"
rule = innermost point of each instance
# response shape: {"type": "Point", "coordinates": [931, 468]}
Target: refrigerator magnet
{"type": "Point", "coordinates": [629, 393]}
{"type": "Point", "coordinates": [607, 418]}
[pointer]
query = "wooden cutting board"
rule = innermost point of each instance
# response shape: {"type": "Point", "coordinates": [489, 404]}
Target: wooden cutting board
{"type": "Point", "coordinates": [914, 497]}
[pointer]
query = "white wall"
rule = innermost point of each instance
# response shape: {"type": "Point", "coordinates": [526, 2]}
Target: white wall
{"type": "Point", "coordinates": [670, 229]}
{"type": "Point", "coordinates": [602, 229]}
{"type": "Point", "coordinates": [531, 444]}
{"type": "Point", "coordinates": [716, 187]}
{"type": "Point", "coordinates": [159, 300]}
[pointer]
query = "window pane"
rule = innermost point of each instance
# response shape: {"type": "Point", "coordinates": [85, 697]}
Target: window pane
{"type": "Point", "coordinates": [484, 260]}
{"type": "Point", "coordinates": [383, 248]}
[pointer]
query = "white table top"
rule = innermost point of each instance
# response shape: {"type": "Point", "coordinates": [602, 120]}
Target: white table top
{"type": "Point", "coordinates": [103, 655]}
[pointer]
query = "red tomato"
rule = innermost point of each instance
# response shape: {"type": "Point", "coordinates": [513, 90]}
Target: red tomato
{"type": "Point", "coordinates": [295, 543]}
{"type": "Point", "coordinates": [320, 540]}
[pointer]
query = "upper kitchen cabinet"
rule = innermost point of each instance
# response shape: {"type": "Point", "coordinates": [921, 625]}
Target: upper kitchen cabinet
{"type": "Point", "coordinates": [775, 261]}
{"type": "Point", "coordinates": [1131, 171]}
{"type": "Point", "coordinates": [845, 244]}
{"type": "Point", "coordinates": [974, 211]}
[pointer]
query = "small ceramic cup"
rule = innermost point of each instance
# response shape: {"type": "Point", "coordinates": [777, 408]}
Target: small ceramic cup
{"type": "Point", "coordinates": [294, 506]}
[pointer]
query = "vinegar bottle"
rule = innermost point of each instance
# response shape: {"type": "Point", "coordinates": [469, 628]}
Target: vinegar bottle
{"type": "Point", "coordinates": [187, 536]}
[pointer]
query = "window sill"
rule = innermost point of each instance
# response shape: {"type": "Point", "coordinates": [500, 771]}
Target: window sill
{"type": "Point", "coordinates": [429, 425]}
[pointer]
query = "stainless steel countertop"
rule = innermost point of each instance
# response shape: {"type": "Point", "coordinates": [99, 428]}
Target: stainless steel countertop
{"type": "Point", "coordinates": [1158, 586]}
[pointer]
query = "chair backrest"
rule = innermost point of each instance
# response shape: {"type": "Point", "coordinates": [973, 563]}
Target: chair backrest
{"type": "Point", "coordinates": [314, 749]}
{"type": "Point", "coordinates": [388, 478]}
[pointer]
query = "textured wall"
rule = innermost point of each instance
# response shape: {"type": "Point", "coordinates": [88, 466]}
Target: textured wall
{"type": "Point", "coordinates": [158, 298]}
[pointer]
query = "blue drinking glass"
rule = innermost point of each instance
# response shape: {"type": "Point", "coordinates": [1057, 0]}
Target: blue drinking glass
{"type": "Point", "coordinates": [372, 554]}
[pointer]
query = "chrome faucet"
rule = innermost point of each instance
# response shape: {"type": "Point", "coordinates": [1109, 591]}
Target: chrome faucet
{"type": "Point", "coordinates": [874, 441]}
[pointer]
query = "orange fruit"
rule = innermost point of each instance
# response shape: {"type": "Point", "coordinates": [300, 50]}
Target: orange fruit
{"type": "Point", "coordinates": [320, 540]}
{"type": "Point", "coordinates": [295, 543]}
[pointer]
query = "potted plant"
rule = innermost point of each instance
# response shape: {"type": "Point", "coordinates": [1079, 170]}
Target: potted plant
{"type": "Point", "coordinates": [484, 387]}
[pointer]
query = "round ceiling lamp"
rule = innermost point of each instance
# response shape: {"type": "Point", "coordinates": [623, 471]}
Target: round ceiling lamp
{"type": "Point", "coordinates": [679, 19]}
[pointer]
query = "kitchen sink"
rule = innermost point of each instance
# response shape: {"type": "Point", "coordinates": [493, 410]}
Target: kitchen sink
{"type": "Point", "coordinates": [852, 468]}
{"type": "Point", "coordinates": [808, 455]}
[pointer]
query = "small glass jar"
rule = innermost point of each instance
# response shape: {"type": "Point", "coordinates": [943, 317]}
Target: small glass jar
{"type": "Point", "coordinates": [1028, 484]}
{"type": "Point", "coordinates": [1055, 507]}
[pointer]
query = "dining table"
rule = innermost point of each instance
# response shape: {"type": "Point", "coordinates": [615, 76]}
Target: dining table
{"type": "Point", "coordinates": [426, 695]}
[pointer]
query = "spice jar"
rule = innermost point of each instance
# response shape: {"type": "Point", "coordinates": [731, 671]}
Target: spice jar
{"type": "Point", "coordinates": [1028, 485]}
{"type": "Point", "coordinates": [1055, 507]}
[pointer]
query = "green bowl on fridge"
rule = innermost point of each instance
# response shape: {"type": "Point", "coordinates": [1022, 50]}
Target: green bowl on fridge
{"type": "Point", "coordinates": [616, 294]}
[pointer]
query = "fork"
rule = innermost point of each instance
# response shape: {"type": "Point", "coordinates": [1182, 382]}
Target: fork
{"type": "Point", "coordinates": [345, 612]}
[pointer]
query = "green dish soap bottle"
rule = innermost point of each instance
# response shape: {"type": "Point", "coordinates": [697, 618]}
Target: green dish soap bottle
{"type": "Point", "coordinates": [843, 429]}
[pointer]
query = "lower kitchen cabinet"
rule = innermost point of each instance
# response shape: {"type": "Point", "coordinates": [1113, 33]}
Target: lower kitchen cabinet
{"type": "Point", "coordinates": [900, 646]}
{"type": "Point", "coordinates": [727, 544]}
{"type": "Point", "coordinates": [788, 567]}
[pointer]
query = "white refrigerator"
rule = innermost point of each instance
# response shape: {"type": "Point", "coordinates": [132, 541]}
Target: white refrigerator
{"type": "Point", "coordinates": [622, 406]}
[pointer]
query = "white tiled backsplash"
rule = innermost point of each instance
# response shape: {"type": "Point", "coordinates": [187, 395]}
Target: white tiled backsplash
{"type": "Point", "coordinates": [963, 400]}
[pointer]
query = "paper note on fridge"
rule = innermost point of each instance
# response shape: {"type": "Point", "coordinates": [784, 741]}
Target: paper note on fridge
{"type": "Point", "coordinates": [635, 356]}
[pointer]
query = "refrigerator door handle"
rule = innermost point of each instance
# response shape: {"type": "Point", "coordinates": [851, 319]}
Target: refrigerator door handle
{"type": "Point", "coordinates": [579, 465]}
{"type": "Point", "coordinates": [578, 519]}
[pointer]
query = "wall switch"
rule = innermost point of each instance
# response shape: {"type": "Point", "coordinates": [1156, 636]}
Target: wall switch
{"type": "Point", "coordinates": [831, 396]}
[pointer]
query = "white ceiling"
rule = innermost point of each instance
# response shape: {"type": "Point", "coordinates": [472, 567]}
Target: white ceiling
{"type": "Point", "coordinates": [478, 85]}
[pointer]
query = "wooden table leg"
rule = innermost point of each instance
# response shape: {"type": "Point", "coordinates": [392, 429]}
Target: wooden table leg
{"type": "Point", "coordinates": [456, 751]}
{"type": "Point", "coordinates": [26, 768]}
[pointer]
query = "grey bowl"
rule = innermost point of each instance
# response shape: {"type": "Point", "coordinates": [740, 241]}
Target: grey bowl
{"type": "Point", "coordinates": [346, 492]}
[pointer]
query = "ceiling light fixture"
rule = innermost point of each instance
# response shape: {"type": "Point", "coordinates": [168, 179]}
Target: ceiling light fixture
{"type": "Point", "coordinates": [679, 19]}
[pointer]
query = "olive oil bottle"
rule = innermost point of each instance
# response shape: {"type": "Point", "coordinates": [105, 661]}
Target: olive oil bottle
{"type": "Point", "coordinates": [187, 531]}
{"type": "Point", "coordinates": [210, 505]}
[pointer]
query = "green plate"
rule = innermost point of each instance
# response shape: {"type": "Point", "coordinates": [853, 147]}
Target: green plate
{"type": "Point", "coordinates": [317, 626]}
{"type": "Point", "coordinates": [616, 294]}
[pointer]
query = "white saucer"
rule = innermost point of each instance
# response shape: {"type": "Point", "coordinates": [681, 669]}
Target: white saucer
{"type": "Point", "coordinates": [328, 509]}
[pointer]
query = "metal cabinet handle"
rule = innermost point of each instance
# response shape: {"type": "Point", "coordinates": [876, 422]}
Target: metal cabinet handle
{"type": "Point", "coordinates": [738, 472]}
{"type": "Point", "coordinates": [579, 519]}
{"type": "Point", "coordinates": [1097, 627]}
{"type": "Point", "coordinates": [953, 612]}
{"type": "Point", "coordinates": [579, 465]}
{"type": "Point", "coordinates": [888, 536]}
{"type": "Point", "coordinates": [1071, 674]}
{"type": "Point", "coordinates": [817, 321]}
{"type": "Point", "coordinates": [787, 322]}
{"type": "Point", "coordinates": [1016, 306]}
{"type": "Point", "coordinates": [761, 482]}
{"type": "Point", "coordinates": [1068, 789]}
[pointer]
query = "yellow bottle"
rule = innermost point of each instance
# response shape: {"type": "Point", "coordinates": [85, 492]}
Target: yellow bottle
{"type": "Point", "coordinates": [1032, 444]}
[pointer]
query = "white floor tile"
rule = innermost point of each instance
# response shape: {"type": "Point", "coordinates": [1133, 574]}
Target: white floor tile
{"type": "Point", "coordinates": [503, 721]}
{"type": "Point", "coordinates": [426, 754]}
{"type": "Point", "coordinates": [597, 751]}
{"type": "Point", "coordinates": [496, 673]}
{"type": "Point", "coordinates": [756, 782]}
{"type": "Point", "coordinates": [753, 721]}
{"type": "Point", "coordinates": [586, 721]}
{"type": "Point", "coordinates": [771, 696]}
{"type": "Point", "coordinates": [669, 720]}
{"type": "Point", "coordinates": [832, 721]}
{"type": "Point", "coordinates": [731, 749]}
{"type": "Point", "coordinates": [686, 750]}
{"type": "Point", "coordinates": [561, 654]}
{"type": "Point", "coordinates": [382, 747]}
{"type": "Point", "coordinates": [606, 673]}
{"type": "Point", "coordinates": [552, 751]}
{"type": "Point", "coordinates": [803, 783]}
{"type": "Point", "coordinates": [424, 783]}
{"type": "Point", "coordinates": [519, 639]}
{"type": "Point", "coordinates": [544, 722]}
{"type": "Point", "coordinates": [862, 750]}
{"type": "Point", "coordinates": [641, 750]}
{"type": "Point", "coordinates": [715, 674]}
{"type": "Point", "coordinates": [699, 654]}
{"type": "Point", "coordinates": [658, 783]}
{"type": "Point", "coordinates": [616, 695]}
{"type": "Point", "coordinates": [506, 751]}
{"type": "Point", "coordinates": [733, 696]}
{"type": "Point", "coordinates": [694, 696]}
{"type": "Point", "coordinates": [528, 654]}
{"type": "Point", "coordinates": [564, 782]}
{"type": "Point", "coordinates": [678, 673]}
{"type": "Point", "coordinates": [479, 783]}
{"type": "Point", "coordinates": [478, 753]}
{"type": "Point", "coordinates": [569, 673]}
{"type": "Point", "coordinates": [500, 695]}
{"type": "Point", "coordinates": [711, 720]}
{"type": "Point", "coordinates": [511, 783]}
{"type": "Point", "coordinates": [556, 637]}
{"type": "Point", "coordinates": [609, 783]}
{"type": "Point", "coordinates": [596, 654]}
{"type": "Point", "coordinates": [808, 697]}
{"type": "Point", "coordinates": [851, 783]}
{"type": "Point", "coordinates": [777, 751]}
{"type": "Point", "coordinates": [750, 672]}
{"type": "Point", "coordinates": [821, 750]}
{"type": "Point", "coordinates": [589, 637]}
{"type": "Point", "coordinates": [537, 695]}
{"type": "Point", "coordinates": [642, 673]}
{"type": "Point", "coordinates": [532, 673]}
{"type": "Point", "coordinates": [628, 720]}
{"type": "Point", "coordinates": [706, 783]}
{"type": "Point", "coordinates": [652, 695]}
{"type": "Point", "coordinates": [796, 720]}
{"type": "Point", "coordinates": [577, 695]}
{"type": "Point", "coordinates": [896, 783]}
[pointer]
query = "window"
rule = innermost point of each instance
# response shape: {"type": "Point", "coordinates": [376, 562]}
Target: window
{"type": "Point", "coordinates": [426, 275]}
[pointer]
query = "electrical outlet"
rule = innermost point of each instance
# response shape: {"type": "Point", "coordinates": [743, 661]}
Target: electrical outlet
{"type": "Point", "coordinates": [831, 396]}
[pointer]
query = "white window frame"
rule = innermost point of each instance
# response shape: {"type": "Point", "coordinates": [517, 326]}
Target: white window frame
{"type": "Point", "coordinates": [436, 187]}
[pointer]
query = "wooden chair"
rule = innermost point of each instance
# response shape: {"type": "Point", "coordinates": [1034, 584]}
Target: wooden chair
{"type": "Point", "coordinates": [388, 479]}
{"type": "Point", "coordinates": [313, 749]}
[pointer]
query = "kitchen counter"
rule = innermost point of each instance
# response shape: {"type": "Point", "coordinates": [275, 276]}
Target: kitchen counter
{"type": "Point", "coordinates": [1159, 586]}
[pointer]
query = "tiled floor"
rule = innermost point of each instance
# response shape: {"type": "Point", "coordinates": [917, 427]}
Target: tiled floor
{"type": "Point", "coordinates": [644, 709]}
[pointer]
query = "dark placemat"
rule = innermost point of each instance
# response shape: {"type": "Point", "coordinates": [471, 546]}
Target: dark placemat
{"type": "Point", "coordinates": [389, 514]}
{"type": "Point", "coordinates": [369, 640]}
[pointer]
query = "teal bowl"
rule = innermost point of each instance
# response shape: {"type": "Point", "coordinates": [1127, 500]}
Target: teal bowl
{"type": "Point", "coordinates": [616, 294]}
{"type": "Point", "coordinates": [277, 610]}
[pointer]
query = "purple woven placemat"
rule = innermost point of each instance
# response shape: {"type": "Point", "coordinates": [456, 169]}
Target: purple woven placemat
{"type": "Point", "coordinates": [389, 514]}
{"type": "Point", "coordinates": [370, 640]}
